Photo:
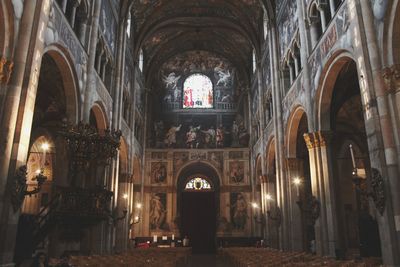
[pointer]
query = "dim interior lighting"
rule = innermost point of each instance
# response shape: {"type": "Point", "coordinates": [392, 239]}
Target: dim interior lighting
{"type": "Point", "coordinates": [139, 205]}
{"type": "Point", "coordinates": [125, 196]}
{"type": "Point", "coordinates": [255, 205]}
{"type": "Point", "coordinates": [297, 181]}
{"type": "Point", "coordinates": [268, 197]}
{"type": "Point", "coordinates": [45, 146]}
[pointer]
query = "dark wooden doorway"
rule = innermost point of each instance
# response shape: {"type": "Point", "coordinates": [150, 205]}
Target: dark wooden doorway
{"type": "Point", "coordinates": [198, 220]}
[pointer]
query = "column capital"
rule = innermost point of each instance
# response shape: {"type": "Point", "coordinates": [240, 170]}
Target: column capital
{"type": "Point", "coordinates": [391, 78]}
{"type": "Point", "coordinates": [324, 137]}
{"type": "Point", "coordinates": [263, 178]}
{"type": "Point", "coordinates": [310, 140]}
{"type": "Point", "coordinates": [6, 67]}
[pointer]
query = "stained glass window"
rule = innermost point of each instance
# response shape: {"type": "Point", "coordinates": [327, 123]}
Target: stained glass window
{"type": "Point", "coordinates": [198, 92]}
{"type": "Point", "coordinates": [198, 184]}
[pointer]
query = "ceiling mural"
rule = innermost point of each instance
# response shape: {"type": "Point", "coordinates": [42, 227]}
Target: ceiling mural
{"type": "Point", "coordinates": [168, 28]}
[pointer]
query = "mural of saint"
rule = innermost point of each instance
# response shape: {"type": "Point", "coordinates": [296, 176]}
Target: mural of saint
{"type": "Point", "coordinates": [237, 172]}
{"type": "Point", "coordinates": [238, 211]}
{"type": "Point", "coordinates": [157, 211]}
{"type": "Point", "coordinates": [159, 173]}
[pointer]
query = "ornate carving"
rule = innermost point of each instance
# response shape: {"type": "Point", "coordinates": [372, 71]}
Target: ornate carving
{"type": "Point", "coordinates": [391, 78]}
{"type": "Point", "coordinates": [309, 139]}
{"type": "Point", "coordinates": [378, 190]}
{"type": "Point", "coordinates": [6, 67]}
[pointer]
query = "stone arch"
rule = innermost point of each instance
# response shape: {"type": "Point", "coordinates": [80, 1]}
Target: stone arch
{"type": "Point", "coordinates": [6, 28]}
{"type": "Point", "coordinates": [270, 156]}
{"type": "Point", "coordinates": [70, 83]}
{"type": "Point", "coordinates": [201, 162]}
{"type": "Point", "coordinates": [258, 169]}
{"type": "Point", "coordinates": [123, 156]}
{"type": "Point", "coordinates": [292, 130]}
{"type": "Point", "coordinates": [99, 115]}
{"type": "Point", "coordinates": [323, 97]}
{"type": "Point", "coordinates": [392, 34]}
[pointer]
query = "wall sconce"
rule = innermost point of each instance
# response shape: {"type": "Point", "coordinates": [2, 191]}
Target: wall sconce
{"type": "Point", "coordinates": [115, 218]}
{"type": "Point", "coordinates": [134, 220]}
{"type": "Point", "coordinates": [20, 188]}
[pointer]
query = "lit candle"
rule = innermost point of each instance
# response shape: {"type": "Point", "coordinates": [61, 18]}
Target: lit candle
{"type": "Point", "coordinates": [173, 237]}
{"type": "Point", "coordinates": [352, 156]}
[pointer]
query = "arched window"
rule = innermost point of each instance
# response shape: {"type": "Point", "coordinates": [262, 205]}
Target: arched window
{"type": "Point", "coordinates": [198, 92]}
{"type": "Point", "coordinates": [198, 184]}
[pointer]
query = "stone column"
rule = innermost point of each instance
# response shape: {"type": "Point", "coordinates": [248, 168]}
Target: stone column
{"type": "Point", "coordinates": [325, 162]}
{"type": "Point", "coordinates": [312, 145]}
{"type": "Point", "coordinates": [379, 127]}
{"type": "Point", "coordinates": [295, 169]}
{"type": "Point", "coordinates": [73, 13]}
{"type": "Point", "coordinates": [91, 71]}
{"type": "Point", "coordinates": [16, 120]}
{"type": "Point", "coordinates": [281, 184]}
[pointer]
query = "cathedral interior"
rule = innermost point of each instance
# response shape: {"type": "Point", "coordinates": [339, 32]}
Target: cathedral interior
{"type": "Point", "coordinates": [250, 128]}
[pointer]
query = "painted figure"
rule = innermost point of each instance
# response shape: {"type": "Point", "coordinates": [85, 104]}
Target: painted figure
{"type": "Point", "coordinates": [170, 137]}
{"type": "Point", "coordinates": [240, 212]}
{"type": "Point", "coordinates": [157, 212]}
{"type": "Point", "coordinates": [220, 134]}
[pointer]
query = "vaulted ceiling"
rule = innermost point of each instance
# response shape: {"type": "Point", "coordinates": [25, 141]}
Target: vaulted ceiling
{"type": "Point", "coordinates": [166, 28]}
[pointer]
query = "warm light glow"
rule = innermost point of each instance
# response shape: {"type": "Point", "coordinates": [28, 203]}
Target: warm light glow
{"type": "Point", "coordinates": [297, 181]}
{"type": "Point", "coordinates": [255, 205]}
{"type": "Point", "coordinates": [45, 146]}
{"type": "Point", "coordinates": [136, 218]}
{"type": "Point", "coordinates": [268, 197]}
{"type": "Point", "coordinates": [139, 205]}
{"type": "Point", "coordinates": [38, 171]}
{"type": "Point", "coordinates": [125, 196]}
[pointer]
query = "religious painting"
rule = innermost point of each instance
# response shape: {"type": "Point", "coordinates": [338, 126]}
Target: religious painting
{"type": "Point", "coordinates": [238, 211]}
{"type": "Point", "coordinates": [198, 92]}
{"type": "Point", "coordinates": [236, 172]}
{"type": "Point", "coordinates": [158, 172]}
{"type": "Point", "coordinates": [158, 212]}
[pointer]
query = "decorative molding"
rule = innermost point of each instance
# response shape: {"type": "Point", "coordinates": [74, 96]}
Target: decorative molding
{"type": "Point", "coordinates": [6, 67]}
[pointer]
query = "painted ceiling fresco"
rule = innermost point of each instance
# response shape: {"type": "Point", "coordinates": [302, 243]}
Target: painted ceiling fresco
{"type": "Point", "coordinates": [173, 73]}
{"type": "Point", "coordinates": [165, 28]}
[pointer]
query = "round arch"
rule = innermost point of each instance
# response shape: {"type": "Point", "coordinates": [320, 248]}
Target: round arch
{"type": "Point", "coordinates": [392, 34]}
{"type": "Point", "coordinates": [194, 207]}
{"type": "Point", "coordinates": [6, 28]}
{"type": "Point", "coordinates": [270, 156]}
{"type": "Point", "coordinates": [99, 116]}
{"type": "Point", "coordinates": [292, 130]}
{"type": "Point", "coordinates": [123, 156]}
{"type": "Point", "coordinates": [69, 80]}
{"type": "Point", "coordinates": [323, 97]}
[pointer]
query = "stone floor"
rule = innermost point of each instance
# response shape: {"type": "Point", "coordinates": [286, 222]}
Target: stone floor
{"type": "Point", "coordinates": [205, 260]}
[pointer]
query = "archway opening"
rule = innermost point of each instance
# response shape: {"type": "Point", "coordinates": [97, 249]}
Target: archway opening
{"type": "Point", "coordinates": [198, 202]}
{"type": "Point", "coordinates": [357, 225]}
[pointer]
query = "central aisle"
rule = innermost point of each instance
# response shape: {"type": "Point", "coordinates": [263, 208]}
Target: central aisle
{"type": "Point", "coordinates": [206, 260]}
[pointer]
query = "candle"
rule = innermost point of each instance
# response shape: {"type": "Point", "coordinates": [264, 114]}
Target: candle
{"type": "Point", "coordinates": [155, 238]}
{"type": "Point", "coordinates": [173, 237]}
{"type": "Point", "coordinates": [352, 156]}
